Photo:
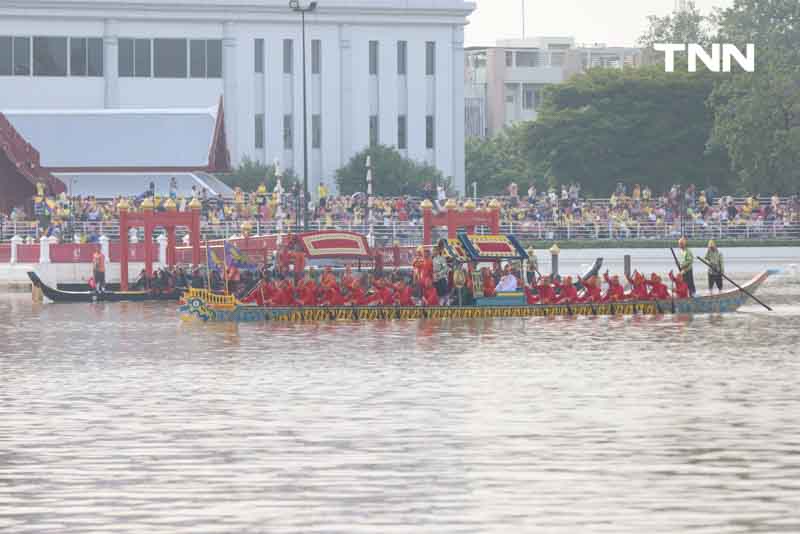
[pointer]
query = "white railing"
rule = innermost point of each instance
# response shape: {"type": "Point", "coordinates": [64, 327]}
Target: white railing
{"type": "Point", "coordinates": [409, 233]}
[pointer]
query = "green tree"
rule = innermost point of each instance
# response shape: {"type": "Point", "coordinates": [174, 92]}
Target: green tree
{"type": "Point", "coordinates": [632, 125]}
{"type": "Point", "coordinates": [392, 174]}
{"type": "Point", "coordinates": [689, 26]}
{"type": "Point", "coordinates": [757, 115]}
{"type": "Point", "coordinates": [495, 162]}
{"type": "Point", "coordinates": [250, 174]}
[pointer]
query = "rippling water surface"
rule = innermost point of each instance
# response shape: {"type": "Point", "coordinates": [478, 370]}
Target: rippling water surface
{"type": "Point", "coordinates": [116, 417]}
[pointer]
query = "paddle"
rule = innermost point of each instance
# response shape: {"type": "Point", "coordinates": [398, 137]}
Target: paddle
{"type": "Point", "coordinates": [675, 257]}
{"type": "Point", "coordinates": [737, 286]}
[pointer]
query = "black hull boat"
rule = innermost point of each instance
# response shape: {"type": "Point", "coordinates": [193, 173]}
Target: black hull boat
{"type": "Point", "coordinates": [58, 295]}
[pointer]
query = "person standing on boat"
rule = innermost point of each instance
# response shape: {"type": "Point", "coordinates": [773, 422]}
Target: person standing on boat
{"type": "Point", "coordinates": [717, 267]}
{"type": "Point", "coordinates": [686, 264]}
{"type": "Point", "coordinates": [99, 271]}
{"type": "Point", "coordinates": [441, 274]}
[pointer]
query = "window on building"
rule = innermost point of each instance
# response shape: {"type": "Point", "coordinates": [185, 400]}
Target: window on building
{"type": "Point", "coordinates": [373, 57]}
{"type": "Point", "coordinates": [316, 56]}
{"type": "Point", "coordinates": [288, 132]}
{"type": "Point", "coordinates": [134, 58]}
{"type": "Point", "coordinates": [528, 96]}
{"type": "Point", "coordinates": [528, 59]}
{"type": "Point", "coordinates": [143, 59]}
{"type": "Point", "coordinates": [402, 132]}
{"type": "Point", "coordinates": [6, 56]}
{"type": "Point", "coordinates": [429, 131]}
{"type": "Point", "coordinates": [85, 56]}
{"type": "Point", "coordinates": [430, 58]}
{"type": "Point", "coordinates": [22, 56]}
{"type": "Point", "coordinates": [557, 59]}
{"type": "Point", "coordinates": [509, 59]}
{"type": "Point", "coordinates": [197, 58]}
{"type": "Point", "coordinates": [169, 58]}
{"type": "Point", "coordinates": [126, 56]}
{"type": "Point", "coordinates": [95, 57]}
{"type": "Point", "coordinates": [214, 58]}
{"type": "Point", "coordinates": [259, 55]}
{"type": "Point", "coordinates": [402, 57]}
{"type": "Point", "coordinates": [49, 56]}
{"type": "Point", "coordinates": [205, 58]}
{"type": "Point", "coordinates": [373, 130]}
{"type": "Point", "coordinates": [259, 125]}
{"type": "Point", "coordinates": [288, 56]}
{"type": "Point", "coordinates": [511, 93]}
{"type": "Point", "coordinates": [316, 131]}
{"type": "Point", "coordinates": [77, 56]}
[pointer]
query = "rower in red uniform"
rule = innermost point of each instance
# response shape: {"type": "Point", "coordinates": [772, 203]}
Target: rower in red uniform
{"type": "Point", "coordinates": [308, 293]}
{"type": "Point", "coordinates": [382, 294]}
{"type": "Point", "coordinates": [284, 296]}
{"type": "Point", "coordinates": [615, 291]}
{"type": "Point", "coordinates": [681, 290]}
{"type": "Point", "coordinates": [429, 295]}
{"type": "Point", "coordinates": [545, 292]}
{"type": "Point", "coordinates": [284, 259]}
{"type": "Point", "coordinates": [358, 296]}
{"type": "Point", "coordinates": [261, 294]}
{"type": "Point", "coordinates": [418, 266]}
{"type": "Point", "coordinates": [328, 278]}
{"type": "Point", "coordinates": [332, 296]}
{"type": "Point", "coordinates": [592, 292]}
{"type": "Point", "coordinates": [403, 295]}
{"type": "Point", "coordinates": [567, 292]}
{"type": "Point", "coordinates": [488, 282]}
{"type": "Point", "coordinates": [658, 290]}
{"type": "Point", "coordinates": [427, 266]}
{"type": "Point", "coordinates": [299, 265]}
{"type": "Point", "coordinates": [347, 278]}
{"type": "Point", "coordinates": [638, 287]}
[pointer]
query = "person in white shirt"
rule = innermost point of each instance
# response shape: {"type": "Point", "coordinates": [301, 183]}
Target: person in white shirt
{"type": "Point", "coordinates": [508, 282]}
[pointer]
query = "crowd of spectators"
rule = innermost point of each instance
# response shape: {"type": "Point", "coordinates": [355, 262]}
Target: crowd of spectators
{"type": "Point", "coordinates": [564, 212]}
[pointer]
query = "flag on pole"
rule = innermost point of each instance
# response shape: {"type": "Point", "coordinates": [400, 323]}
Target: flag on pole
{"type": "Point", "coordinates": [234, 257]}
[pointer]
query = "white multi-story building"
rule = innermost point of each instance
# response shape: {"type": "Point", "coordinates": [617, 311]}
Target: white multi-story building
{"type": "Point", "coordinates": [504, 82]}
{"type": "Point", "coordinates": [378, 71]}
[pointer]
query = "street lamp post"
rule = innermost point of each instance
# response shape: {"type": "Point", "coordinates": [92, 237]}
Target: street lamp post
{"type": "Point", "coordinates": [295, 6]}
{"type": "Point", "coordinates": [369, 188]}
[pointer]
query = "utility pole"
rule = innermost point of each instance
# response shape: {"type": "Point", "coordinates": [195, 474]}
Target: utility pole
{"type": "Point", "coordinates": [295, 6]}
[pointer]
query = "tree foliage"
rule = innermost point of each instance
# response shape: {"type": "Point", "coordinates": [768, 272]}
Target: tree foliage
{"type": "Point", "coordinates": [633, 125]}
{"type": "Point", "coordinates": [392, 174]}
{"type": "Point", "coordinates": [495, 162]}
{"type": "Point", "coordinates": [250, 174]}
{"type": "Point", "coordinates": [757, 115]}
{"type": "Point", "coordinates": [689, 26]}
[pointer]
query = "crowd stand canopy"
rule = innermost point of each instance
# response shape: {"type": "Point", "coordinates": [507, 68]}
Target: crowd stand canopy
{"type": "Point", "coordinates": [111, 152]}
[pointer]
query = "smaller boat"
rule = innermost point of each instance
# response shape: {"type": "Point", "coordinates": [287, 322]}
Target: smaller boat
{"type": "Point", "coordinates": [59, 295]}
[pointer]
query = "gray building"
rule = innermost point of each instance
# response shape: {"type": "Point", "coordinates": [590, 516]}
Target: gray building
{"type": "Point", "coordinates": [503, 83]}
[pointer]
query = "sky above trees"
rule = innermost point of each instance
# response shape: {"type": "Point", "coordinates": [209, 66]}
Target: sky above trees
{"type": "Point", "coordinates": [613, 22]}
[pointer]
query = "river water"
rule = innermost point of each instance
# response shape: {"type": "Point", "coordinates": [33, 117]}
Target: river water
{"type": "Point", "coordinates": [117, 417]}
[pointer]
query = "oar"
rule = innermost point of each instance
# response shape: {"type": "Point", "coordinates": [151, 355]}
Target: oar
{"type": "Point", "coordinates": [675, 257]}
{"type": "Point", "coordinates": [737, 286]}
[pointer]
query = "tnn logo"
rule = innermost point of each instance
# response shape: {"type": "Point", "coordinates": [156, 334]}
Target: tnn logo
{"type": "Point", "coordinates": [718, 61]}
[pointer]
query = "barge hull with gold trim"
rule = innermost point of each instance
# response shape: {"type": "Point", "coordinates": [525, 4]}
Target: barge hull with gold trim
{"type": "Point", "coordinates": [218, 308]}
